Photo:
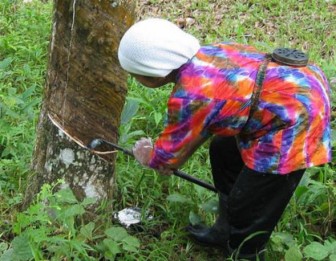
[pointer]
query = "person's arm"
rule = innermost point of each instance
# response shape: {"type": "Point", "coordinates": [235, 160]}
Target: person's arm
{"type": "Point", "coordinates": [143, 149]}
{"type": "Point", "coordinates": [189, 149]}
{"type": "Point", "coordinates": [188, 127]}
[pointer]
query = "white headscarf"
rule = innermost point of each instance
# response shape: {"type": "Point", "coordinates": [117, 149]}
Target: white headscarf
{"type": "Point", "coordinates": [154, 47]}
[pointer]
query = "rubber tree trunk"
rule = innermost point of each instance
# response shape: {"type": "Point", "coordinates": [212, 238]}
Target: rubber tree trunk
{"type": "Point", "coordinates": [85, 93]}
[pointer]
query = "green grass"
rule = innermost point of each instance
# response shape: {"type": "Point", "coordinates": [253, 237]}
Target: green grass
{"type": "Point", "coordinates": [307, 228]}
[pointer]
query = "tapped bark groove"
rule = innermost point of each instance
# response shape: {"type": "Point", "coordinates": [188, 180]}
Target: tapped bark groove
{"type": "Point", "coordinates": [85, 92]}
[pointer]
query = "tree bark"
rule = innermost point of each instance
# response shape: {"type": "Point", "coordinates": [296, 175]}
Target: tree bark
{"type": "Point", "coordinates": [85, 93]}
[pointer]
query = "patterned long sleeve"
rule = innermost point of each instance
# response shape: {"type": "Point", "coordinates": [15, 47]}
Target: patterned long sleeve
{"type": "Point", "coordinates": [290, 129]}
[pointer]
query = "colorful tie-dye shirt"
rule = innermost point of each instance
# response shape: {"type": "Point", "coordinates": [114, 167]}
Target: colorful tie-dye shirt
{"type": "Point", "coordinates": [289, 130]}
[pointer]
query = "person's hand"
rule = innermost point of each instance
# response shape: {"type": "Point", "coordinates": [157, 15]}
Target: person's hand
{"type": "Point", "coordinates": [142, 150]}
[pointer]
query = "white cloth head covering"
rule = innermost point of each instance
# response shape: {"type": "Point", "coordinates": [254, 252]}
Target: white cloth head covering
{"type": "Point", "coordinates": [154, 47]}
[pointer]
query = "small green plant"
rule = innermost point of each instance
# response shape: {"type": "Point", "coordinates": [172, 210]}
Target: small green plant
{"type": "Point", "coordinates": [311, 220]}
{"type": "Point", "coordinates": [318, 251]}
{"type": "Point", "coordinates": [52, 228]}
{"type": "Point", "coordinates": [118, 241]}
{"type": "Point", "coordinates": [284, 242]}
{"type": "Point", "coordinates": [130, 109]}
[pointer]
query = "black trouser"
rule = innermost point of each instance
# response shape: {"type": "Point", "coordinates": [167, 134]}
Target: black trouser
{"type": "Point", "coordinates": [256, 200]}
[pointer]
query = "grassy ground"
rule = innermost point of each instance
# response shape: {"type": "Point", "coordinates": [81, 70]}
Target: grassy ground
{"type": "Point", "coordinates": [306, 230]}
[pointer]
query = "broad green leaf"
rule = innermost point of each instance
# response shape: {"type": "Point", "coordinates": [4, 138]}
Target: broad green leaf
{"type": "Point", "coordinates": [11, 113]}
{"type": "Point", "coordinates": [134, 134]}
{"type": "Point", "coordinates": [331, 246]}
{"type": "Point", "coordinates": [210, 206]}
{"type": "Point", "coordinates": [74, 211]}
{"type": "Point", "coordinates": [286, 238]}
{"type": "Point", "coordinates": [293, 254]}
{"type": "Point", "coordinates": [125, 136]}
{"type": "Point", "coordinates": [45, 192]}
{"type": "Point", "coordinates": [3, 247]}
{"type": "Point", "coordinates": [131, 244]}
{"type": "Point", "coordinates": [116, 233]}
{"type": "Point", "coordinates": [332, 257]}
{"type": "Point", "coordinates": [157, 117]}
{"type": "Point", "coordinates": [22, 221]}
{"type": "Point", "coordinates": [112, 247]}
{"type": "Point", "coordinates": [58, 240]}
{"type": "Point", "coordinates": [316, 250]}
{"type": "Point", "coordinates": [80, 246]}
{"type": "Point", "coordinates": [194, 219]}
{"type": "Point", "coordinates": [22, 248]}
{"type": "Point", "coordinates": [300, 190]}
{"type": "Point", "coordinates": [8, 255]}
{"type": "Point", "coordinates": [5, 63]}
{"type": "Point", "coordinates": [28, 92]}
{"type": "Point", "coordinates": [86, 231]}
{"type": "Point", "coordinates": [39, 234]}
{"type": "Point", "coordinates": [130, 109]}
{"type": "Point", "coordinates": [178, 198]}
{"type": "Point", "coordinates": [88, 201]}
{"type": "Point", "coordinates": [66, 196]}
{"type": "Point", "coordinates": [69, 224]}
